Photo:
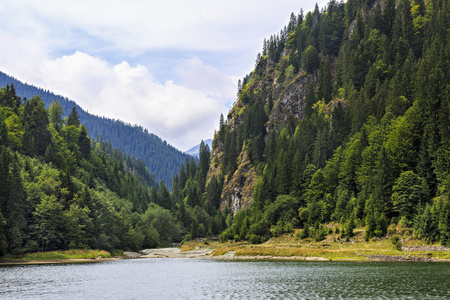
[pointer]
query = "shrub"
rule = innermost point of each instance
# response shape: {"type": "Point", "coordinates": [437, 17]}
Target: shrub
{"type": "Point", "coordinates": [395, 240]}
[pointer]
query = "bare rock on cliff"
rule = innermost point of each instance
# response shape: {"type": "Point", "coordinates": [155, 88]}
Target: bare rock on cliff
{"type": "Point", "coordinates": [290, 103]}
{"type": "Point", "coordinates": [237, 191]}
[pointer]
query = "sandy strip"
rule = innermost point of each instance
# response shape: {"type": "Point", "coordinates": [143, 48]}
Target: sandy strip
{"type": "Point", "coordinates": [207, 253]}
{"type": "Point", "coordinates": [175, 253]}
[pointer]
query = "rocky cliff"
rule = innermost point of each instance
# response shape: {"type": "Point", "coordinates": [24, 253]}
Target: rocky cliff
{"type": "Point", "coordinates": [283, 102]}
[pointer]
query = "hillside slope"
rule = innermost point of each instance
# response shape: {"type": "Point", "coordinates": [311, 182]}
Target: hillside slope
{"type": "Point", "coordinates": [60, 190]}
{"type": "Point", "coordinates": [344, 119]}
{"type": "Point", "coordinates": [161, 159]}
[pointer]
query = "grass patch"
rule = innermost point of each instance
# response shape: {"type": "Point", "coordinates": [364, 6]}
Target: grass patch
{"type": "Point", "coordinates": [333, 247]}
{"type": "Point", "coordinates": [59, 255]}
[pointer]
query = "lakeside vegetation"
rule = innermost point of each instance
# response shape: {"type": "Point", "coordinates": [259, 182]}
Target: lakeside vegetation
{"type": "Point", "coordinates": [58, 255]}
{"type": "Point", "coordinates": [334, 247]}
{"type": "Point", "coordinates": [60, 190]}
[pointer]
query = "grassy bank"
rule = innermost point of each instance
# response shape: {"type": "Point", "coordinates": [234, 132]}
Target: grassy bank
{"type": "Point", "coordinates": [334, 248]}
{"type": "Point", "coordinates": [59, 255]}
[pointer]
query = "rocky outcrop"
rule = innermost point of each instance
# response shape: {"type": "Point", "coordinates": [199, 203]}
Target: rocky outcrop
{"type": "Point", "coordinates": [132, 254]}
{"type": "Point", "coordinates": [425, 248]}
{"type": "Point", "coordinates": [238, 190]}
{"type": "Point", "coordinates": [400, 258]}
{"type": "Point", "coordinates": [291, 102]}
{"type": "Point", "coordinates": [175, 253]}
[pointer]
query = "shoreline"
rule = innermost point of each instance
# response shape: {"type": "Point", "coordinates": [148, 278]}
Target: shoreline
{"type": "Point", "coordinates": [208, 253]}
{"type": "Point", "coordinates": [231, 254]}
{"type": "Point", "coordinates": [57, 261]}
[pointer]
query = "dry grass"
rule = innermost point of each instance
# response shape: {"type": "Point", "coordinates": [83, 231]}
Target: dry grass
{"type": "Point", "coordinates": [332, 247]}
{"type": "Point", "coordinates": [69, 254]}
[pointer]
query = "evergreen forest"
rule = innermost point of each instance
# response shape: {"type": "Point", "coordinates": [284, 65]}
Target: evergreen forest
{"type": "Point", "coordinates": [61, 190]}
{"type": "Point", "coordinates": [344, 120]}
{"type": "Point", "coordinates": [365, 142]}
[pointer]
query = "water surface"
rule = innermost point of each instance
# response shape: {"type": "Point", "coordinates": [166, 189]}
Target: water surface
{"type": "Point", "coordinates": [211, 279]}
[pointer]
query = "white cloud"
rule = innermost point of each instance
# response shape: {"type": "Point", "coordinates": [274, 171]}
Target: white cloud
{"type": "Point", "coordinates": [137, 25]}
{"type": "Point", "coordinates": [196, 75]}
{"type": "Point", "coordinates": [181, 115]}
{"type": "Point", "coordinates": [93, 51]}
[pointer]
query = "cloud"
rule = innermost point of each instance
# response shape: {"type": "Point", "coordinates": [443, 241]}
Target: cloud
{"type": "Point", "coordinates": [137, 25]}
{"type": "Point", "coordinates": [195, 74]}
{"type": "Point", "coordinates": [100, 53]}
{"type": "Point", "coordinates": [179, 114]}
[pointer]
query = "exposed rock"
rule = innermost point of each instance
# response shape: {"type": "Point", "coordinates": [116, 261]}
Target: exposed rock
{"type": "Point", "coordinates": [400, 258]}
{"type": "Point", "coordinates": [216, 161]}
{"type": "Point", "coordinates": [291, 102]}
{"type": "Point", "coordinates": [132, 254]}
{"type": "Point", "coordinates": [238, 190]}
{"type": "Point", "coordinates": [175, 253]}
{"type": "Point", "coordinates": [425, 248]}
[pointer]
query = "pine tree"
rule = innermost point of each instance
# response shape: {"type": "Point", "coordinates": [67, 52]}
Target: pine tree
{"type": "Point", "coordinates": [74, 118]}
{"type": "Point", "coordinates": [56, 114]}
{"type": "Point", "coordinates": [36, 137]}
{"type": "Point", "coordinates": [325, 81]}
{"type": "Point", "coordinates": [84, 143]}
{"type": "Point", "coordinates": [15, 210]}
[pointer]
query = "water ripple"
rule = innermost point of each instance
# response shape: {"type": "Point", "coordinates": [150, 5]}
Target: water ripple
{"type": "Point", "coordinates": [207, 279]}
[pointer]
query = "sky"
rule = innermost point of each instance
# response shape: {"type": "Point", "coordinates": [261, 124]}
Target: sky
{"type": "Point", "coordinates": [171, 66]}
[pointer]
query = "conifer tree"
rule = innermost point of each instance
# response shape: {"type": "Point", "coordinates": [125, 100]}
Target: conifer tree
{"type": "Point", "coordinates": [74, 118]}
{"type": "Point", "coordinates": [56, 114]}
{"type": "Point", "coordinates": [15, 210]}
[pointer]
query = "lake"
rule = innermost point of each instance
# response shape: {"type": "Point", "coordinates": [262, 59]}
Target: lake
{"type": "Point", "coordinates": [215, 279]}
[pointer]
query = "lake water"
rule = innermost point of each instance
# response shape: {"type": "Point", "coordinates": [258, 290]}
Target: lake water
{"type": "Point", "coordinates": [212, 279]}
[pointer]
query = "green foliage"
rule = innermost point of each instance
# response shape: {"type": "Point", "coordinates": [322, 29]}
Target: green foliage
{"type": "Point", "coordinates": [426, 223]}
{"type": "Point", "coordinates": [374, 148]}
{"type": "Point", "coordinates": [396, 242]}
{"type": "Point", "coordinates": [311, 59]}
{"type": "Point", "coordinates": [408, 193]}
{"type": "Point", "coordinates": [76, 193]}
{"type": "Point", "coordinates": [365, 145]}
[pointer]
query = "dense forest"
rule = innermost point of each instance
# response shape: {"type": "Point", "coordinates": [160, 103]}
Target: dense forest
{"type": "Point", "coordinates": [366, 140]}
{"type": "Point", "coordinates": [162, 160]}
{"type": "Point", "coordinates": [343, 123]}
{"type": "Point", "coordinates": [61, 190]}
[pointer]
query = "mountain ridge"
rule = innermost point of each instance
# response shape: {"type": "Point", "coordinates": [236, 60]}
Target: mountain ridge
{"type": "Point", "coordinates": [194, 151]}
{"type": "Point", "coordinates": [161, 159]}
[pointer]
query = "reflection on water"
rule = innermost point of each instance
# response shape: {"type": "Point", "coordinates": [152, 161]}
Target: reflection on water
{"type": "Point", "coordinates": [210, 279]}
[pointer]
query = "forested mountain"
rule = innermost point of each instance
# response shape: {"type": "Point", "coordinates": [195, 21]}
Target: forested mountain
{"type": "Point", "coordinates": [161, 159]}
{"type": "Point", "coordinates": [344, 119]}
{"type": "Point", "coordinates": [61, 190]}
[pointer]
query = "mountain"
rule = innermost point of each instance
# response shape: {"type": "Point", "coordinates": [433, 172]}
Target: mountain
{"type": "Point", "coordinates": [161, 159]}
{"type": "Point", "coordinates": [344, 123]}
{"type": "Point", "coordinates": [344, 120]}
{"type": "Point", "coordinates": [194, 151]}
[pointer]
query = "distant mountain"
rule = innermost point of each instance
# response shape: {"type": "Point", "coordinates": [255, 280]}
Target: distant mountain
{"type": "Point", "coordinates": [161, 159]}
{"type": "Point", "coordinates": [194, 151]}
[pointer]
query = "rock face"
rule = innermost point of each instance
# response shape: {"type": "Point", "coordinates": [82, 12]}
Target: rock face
{"type": "Point", "coordinates": [291, 102]}
{"type": "Point", "coordinates": [237, 191]}
{"type": "Point", "coordinates": [284, 102]}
